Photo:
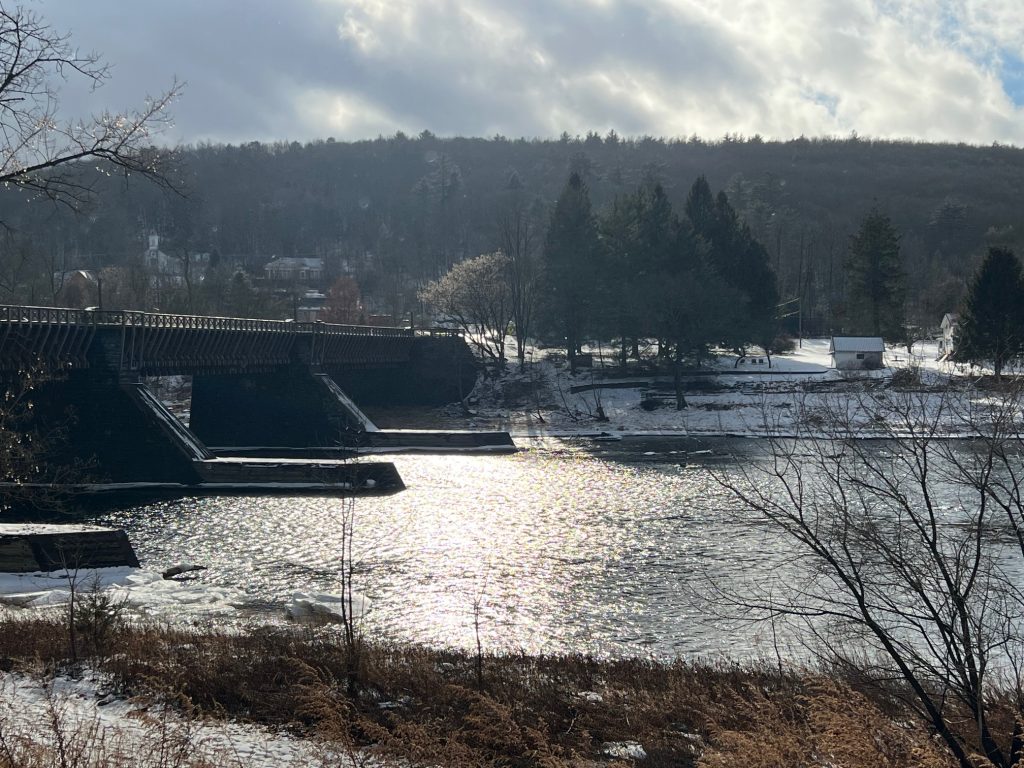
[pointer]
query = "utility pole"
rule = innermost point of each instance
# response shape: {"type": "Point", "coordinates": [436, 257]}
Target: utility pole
{"type": "Point", "coordinates": [787, 309]}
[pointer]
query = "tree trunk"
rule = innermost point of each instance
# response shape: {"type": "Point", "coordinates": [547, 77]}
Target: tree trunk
{"type": "Point", "coordinates": [677, 378]}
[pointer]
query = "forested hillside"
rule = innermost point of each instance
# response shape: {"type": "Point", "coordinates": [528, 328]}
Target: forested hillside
{"type": "Point", "coordinates": [397, 212]}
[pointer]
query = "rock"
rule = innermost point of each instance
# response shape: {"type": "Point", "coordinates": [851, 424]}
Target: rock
{"type": "Point", "coordinates": [591, 696]}
{"type": "Point", "coordinates": [623, 750]}
{"type": "Point", "coordinates": [177, 570]}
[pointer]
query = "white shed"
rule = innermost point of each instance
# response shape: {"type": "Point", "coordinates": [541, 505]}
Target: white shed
{"type": "Point", "coordinates": [856, 353]}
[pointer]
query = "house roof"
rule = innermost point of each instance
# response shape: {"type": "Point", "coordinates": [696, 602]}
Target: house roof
{"type": "Point", "coordinates": [856, 344]}
{"type": "Point", "coordinates": [291, 262]}
{"type": "Point", "coordinates": [82, 274]}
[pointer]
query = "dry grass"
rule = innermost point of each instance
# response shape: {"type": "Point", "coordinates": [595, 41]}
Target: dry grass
{"type": "Point", "coordinates": [424, 705]}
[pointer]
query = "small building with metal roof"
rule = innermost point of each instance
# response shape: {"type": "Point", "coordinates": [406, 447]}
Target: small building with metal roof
{"type": "Point", "coordinates": [857, 353]}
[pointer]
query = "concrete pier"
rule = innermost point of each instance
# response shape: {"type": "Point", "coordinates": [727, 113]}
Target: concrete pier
{"type": "Point", "coordinates": [26, 548]}
{"type": "Point", "coordinates": [303, 412]}
{"type": "Point", "coordinates": [115, 438]}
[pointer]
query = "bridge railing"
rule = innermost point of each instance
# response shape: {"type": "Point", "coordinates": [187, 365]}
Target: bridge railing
{"type": "Point", "coordinates": [44, 315]}
{"type": "Point", "coordinates": [154, 342]}
{"type": "Point", "coordinates": [157, 343]}
{"type": "Point", "coordinates": [443, 333]}
{"type": "Point", "coordinates": [357, 344]}
{"type": "Point", "coordinates": [52, 335]}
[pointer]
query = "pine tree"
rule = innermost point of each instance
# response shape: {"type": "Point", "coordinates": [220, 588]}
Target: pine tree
{"type": "Point", "coordinates": [877, 283]}
{"type": "Point", "coordinates": [992, 323]}
{"type": "Point", "coordinates": [740, 262]}
{"type": "Point", "coordinates": [639, 238]}
{"type": "Point", "coordinates": [571, 256]}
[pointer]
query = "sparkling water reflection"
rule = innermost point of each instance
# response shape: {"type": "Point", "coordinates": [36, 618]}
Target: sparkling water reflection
{"type": "Point", "coordinates": [565, 546]}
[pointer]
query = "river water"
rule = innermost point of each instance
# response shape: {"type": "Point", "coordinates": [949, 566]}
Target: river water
{"type": "Point", "coordinates": [568, 545]}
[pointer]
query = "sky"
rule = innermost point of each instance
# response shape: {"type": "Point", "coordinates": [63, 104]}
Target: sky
{"type": "Point", "coordinates": [266, 70]}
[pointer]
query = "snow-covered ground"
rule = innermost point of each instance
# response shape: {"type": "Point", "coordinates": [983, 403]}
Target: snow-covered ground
{"type": "Point", "coordinates": [80, 718]}
{"type": "Point", "coordinates": [147, 594]}
{"type": "Point", "coordinates": [114, 731]}
{"type": "Point", "coordinates": [748, 397]}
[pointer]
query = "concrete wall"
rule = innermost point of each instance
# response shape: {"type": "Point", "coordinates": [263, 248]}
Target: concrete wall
{"type": "Point", "coordinates": [440, 370]}
{"type": "Point", "coordinates": [286, 408]}
{"type": "Point", "coordinates": [97, 431]}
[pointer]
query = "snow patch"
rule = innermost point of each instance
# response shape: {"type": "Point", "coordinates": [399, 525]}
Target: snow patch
{"type": "Point", "coordinates": [624, 750]}
{"type": "Point", "coordinates": [309, 607]}
{"type": "Point", "coordinates": [145, 591]}
{"type": "Point", "coordinates": [105, 727]}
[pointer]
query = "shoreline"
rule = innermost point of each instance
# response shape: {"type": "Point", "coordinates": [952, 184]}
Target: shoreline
{"type": "Point", "coordinates": [306, 697]}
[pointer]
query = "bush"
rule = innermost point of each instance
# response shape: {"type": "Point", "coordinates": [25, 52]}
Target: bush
{"type": "Point", "coordinates": [906, 378]}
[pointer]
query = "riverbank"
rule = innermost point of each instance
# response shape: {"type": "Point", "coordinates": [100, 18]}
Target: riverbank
{"type": "Point", "coordinates": [798, 394]}
{"type": "Point", "coordinates": [305, 697]}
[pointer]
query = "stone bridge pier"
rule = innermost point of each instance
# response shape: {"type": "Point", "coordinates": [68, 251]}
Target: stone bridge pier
{"type": "Point", "coordinates": [295, 407]}
{"type": "Point", "coordinates": [315, 406]}
{"type": "Point", "coordinates": [100, 428]}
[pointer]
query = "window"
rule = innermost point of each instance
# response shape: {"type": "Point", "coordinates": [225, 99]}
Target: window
{"type": "Point", "coordinates": [860, 355]}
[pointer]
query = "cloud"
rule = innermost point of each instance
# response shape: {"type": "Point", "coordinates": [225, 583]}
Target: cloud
{"type": "Point", "coordinates": [928, 69]}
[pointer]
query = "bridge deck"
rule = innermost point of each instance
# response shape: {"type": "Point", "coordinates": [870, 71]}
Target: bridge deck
{"type": "Point", "coordinates": [159, 344]}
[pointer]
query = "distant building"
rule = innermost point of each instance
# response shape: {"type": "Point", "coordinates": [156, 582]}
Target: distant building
{"type": "Point", "coordinates": [156, 261]}
{"type": "Point", "coordinates": [170, 270]}
{"type": "Point", "coordinates": [857, 353]}
{"type": "Point", "coordinates": [950, 322]}
{"type": "Point", "coordinates": [310, 307]}
{"type": "Point", "coordinates": [307, 271]}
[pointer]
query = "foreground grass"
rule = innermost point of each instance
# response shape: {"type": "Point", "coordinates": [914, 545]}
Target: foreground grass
{"type": "Point", "coordinates": [431, 707]}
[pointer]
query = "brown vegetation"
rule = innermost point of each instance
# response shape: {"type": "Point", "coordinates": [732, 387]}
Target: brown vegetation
{"type": "Point", "coordinates": [427, 706]}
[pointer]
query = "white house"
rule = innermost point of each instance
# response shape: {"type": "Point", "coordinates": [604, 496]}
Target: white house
{"type": "Point", "coordinates": [170, 270]}
{"type": "Point", "coordinates": [950, 321]}
{"type": "Point", "coordinates": [158, 262]}
{"type": "Point", "coordinates": [857, 353]}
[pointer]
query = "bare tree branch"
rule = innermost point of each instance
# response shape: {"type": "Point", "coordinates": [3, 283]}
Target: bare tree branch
{"type": "Point", "coordinates": [42, 153]}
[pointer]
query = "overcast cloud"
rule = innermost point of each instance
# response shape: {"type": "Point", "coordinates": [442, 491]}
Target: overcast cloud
{"type": "Point", "coordinates": [949, 70]}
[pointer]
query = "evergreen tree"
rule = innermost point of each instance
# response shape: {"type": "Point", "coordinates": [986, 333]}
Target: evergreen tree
{"type": "Point", "coordinates": [992, 323]}
{"type": "Point", "coordinates": [740, 262]}
{"type": "Point", "coordinates": [696, 308]}
{"type": "Point", "coordinates": [571, 255]}
{"type": "Point", "coordinates": [639, 238]}
{"type": "Point", "coordinates": [700, 208]}
{"type": "Point", "coordinates": [877, 283]}
{"type": "Point", "coordinates": [619, 290]}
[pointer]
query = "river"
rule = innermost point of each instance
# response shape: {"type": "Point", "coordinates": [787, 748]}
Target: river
{"type": "Point", "coordinates": [568, 545]}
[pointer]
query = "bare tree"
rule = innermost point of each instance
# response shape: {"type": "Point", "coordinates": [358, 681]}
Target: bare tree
{"type": "Point", "coordinates": [27, 483]}
{"type": "Point", "coordinates": [475, 296]}
{"type": "Point", "coordinates": [519, 244]}
{"type": "Point", "coordinates": [909, 552]}
{"type": "Point", "coordinates": [42, 151]}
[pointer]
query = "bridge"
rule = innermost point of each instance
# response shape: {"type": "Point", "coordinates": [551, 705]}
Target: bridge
{"type": "Point", "coordinates": [150, 344]}
{"type": "Point", "coordinates": [265, 390]}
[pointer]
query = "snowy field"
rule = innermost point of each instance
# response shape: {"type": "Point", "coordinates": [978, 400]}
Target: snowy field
{"type": "Point", "coordinates": [750, 397]}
